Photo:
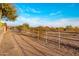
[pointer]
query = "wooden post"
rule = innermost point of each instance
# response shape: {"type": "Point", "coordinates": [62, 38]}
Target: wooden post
{"type": "Point", "coordinates": [59, 38]}
{"type": "Point", "coordinates": [46, 37]}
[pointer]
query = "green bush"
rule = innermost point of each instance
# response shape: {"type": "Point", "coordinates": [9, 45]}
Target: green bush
{"type": "Point", "coordinates": [1, 24]}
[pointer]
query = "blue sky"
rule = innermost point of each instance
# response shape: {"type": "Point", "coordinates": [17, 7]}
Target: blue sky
{"type": "Point", "coordinates": [47, 14]}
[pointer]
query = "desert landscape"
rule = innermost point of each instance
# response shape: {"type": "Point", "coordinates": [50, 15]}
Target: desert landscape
{"type": "Point", "coordinates": [29, 43]}
{"type": "Point", "coordinates": [39, 29]}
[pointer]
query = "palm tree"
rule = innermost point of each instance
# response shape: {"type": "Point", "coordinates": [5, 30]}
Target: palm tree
{"type": "Point", "coordinates": [7, 11]}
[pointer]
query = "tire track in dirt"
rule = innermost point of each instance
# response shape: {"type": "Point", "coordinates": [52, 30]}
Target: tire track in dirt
{"type": "Point", "coordinates": [55, 47]}
{"type": "Point", "coordinates": [66, 45]}
{"type": "Point", "coordinates": [27, 47]}
{"type": "Point", "coordinates": [41, 47]}
{"type": "Point", "coordinates": [8, 46]}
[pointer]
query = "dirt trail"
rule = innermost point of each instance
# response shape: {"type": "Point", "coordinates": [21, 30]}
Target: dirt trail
{"type": "Point", "coordinates": [15, 44]}
{"type": "Point", "coordinates": [8, 46]}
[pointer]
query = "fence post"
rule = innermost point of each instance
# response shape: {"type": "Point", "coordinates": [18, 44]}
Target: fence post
{"type": "Point", "coordinates": [46, 38]}
{"type": "Point", "coordinates": [59, 39]}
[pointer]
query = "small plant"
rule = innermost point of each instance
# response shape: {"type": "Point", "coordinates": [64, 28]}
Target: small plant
{"type": "Point", "coordinates": [1, 24]}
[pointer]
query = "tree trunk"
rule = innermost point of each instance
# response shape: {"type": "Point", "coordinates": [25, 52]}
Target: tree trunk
{"type": "Point", "coordinates": [5, 25]}
{"type": "Point", "coordinates": [0, 14]}
{"type": "Point", "coordinates": [5, 28]}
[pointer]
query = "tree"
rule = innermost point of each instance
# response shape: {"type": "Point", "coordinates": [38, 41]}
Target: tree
{"type": "Point", "coordinates": [25, 26]}
{"type": "Point", "coordinates": [76, 29]}
{"type": "Point", "coordinates": [7, 11]}
{"type": "Point", "coordinates": [69, 28]}
{"type": "Point", "coordinates": [61, 29]}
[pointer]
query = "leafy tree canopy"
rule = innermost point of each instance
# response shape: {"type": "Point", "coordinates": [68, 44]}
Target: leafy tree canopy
{"type": "Point", "coordinates": [8, 11]}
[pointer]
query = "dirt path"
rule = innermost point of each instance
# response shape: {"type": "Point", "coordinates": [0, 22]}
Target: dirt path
{"type": "Point", "coordinates": [20, 45]}
{"type": "Point", "coordinates": [8, 46]}
{"type": "Point", "coordinates": [13, 44]}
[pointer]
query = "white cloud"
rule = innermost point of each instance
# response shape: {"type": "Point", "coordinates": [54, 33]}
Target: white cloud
{"type": "Point", "coordinates": [35, 11]}
{"type": "Point", "coordinates": [45, 22]}
{"type": "Point", "coordinates": [64, 22]}
{"type": "Point", "coordinates": [26, 14]}
{"type": "Point", "coordinates": [55, 13]}
{"type": "Point", "coordinates": [19, 8]}
{"type": "Point", "coordinates": [32, 10]}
